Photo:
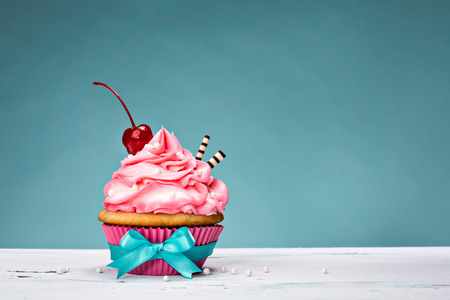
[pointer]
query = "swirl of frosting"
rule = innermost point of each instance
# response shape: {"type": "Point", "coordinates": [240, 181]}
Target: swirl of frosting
{"type": "Point", "coordinates": [165, 178]}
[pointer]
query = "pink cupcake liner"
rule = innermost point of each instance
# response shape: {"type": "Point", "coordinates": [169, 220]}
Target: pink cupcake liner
{"type": "Point", "coordinates": [203, 235]}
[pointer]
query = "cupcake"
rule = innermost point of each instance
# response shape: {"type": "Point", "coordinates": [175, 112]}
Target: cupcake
{"type": "Point", "coordinates": [163, 195]}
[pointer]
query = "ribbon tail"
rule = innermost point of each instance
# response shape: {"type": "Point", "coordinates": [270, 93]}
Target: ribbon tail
{"type": "Point", "coordinates": [131, 260]}
{"type": "Point", "coordinates": [121, 269]}
{"type": "Point", "coordinates": [181, 263]}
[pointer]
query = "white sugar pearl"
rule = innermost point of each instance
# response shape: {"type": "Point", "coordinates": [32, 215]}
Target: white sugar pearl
{"type": "Point", "coordinates": [199, 172]}
{"type": "Point", "coordinates": [110, 192]}
{"type": "Point", "coordinates": [206, 271]}
{"type": "Point", "coordinates": [135, 187]}
{"type": "Point", "coordinates": [166, 278]}
{"type": "Point", "coordinates": [59, 271]}
{"type": "Point", "coordinates": [130, 155]}
{"type": "Point", "coordinates": [324, 271]}
{"type": "Point", "coordinates": [99, 270]}
{"type": "Point", "coordinates": [223, 269]}
{"type": "Point", "coordinates": [157, 171]}
{"type": "Point", "coordinates": [172, 194]}
{"type": "Point", "coordinates": [266, 269]}
{"type": "Point", "coordinates": [212, 195]}
{"type": "Point", "coordinates": [181, 156]}
{"type": "Point", "coordinates": [248, 273]}
{"type": "Point", "coordinates": [67, 269]}
{"type": "Point", "coordinates": [233, 271]}
{"type": "Point", "coordinates": [156, 145]}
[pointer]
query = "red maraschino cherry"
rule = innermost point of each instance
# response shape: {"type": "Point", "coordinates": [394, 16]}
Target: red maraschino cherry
{"type": "Point", "coordinates": [134, 138]}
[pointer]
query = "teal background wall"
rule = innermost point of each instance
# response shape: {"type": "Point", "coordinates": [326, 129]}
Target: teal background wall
{"type": "Point", "coordinates": [334, 115]}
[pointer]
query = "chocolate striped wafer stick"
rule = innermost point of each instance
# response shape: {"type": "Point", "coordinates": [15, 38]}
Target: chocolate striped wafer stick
{"type": "Point", "coordinates": [202, 148]}
{"type": "Point", "coordinates": [216, 159]}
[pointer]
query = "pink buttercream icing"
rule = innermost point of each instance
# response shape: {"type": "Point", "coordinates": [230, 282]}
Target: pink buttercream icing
{"type": "Point", "coordinates": [165, 178]}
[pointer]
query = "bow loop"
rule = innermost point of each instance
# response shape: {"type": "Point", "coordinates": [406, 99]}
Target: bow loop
{"type": "Point", "coordinates": [182, 240]}
{"type": "Point", "coordinates": [133, 240]}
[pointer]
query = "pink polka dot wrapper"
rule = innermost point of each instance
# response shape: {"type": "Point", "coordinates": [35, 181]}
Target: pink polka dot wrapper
{"type": "Point", "coordinates": [202, 234]}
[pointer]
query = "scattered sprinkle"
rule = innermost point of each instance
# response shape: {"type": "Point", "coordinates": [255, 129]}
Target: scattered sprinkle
{"type": "Point", "coordinates": [223, 269]}
{"type": "Point", "coordinates": [233, 271]}
{"type": "Point", "coordinates": [206, 271]}
{"type": "Point", "coordinates": [324, 271]}
{"type": "Point", "coordinates": [99, 270]}
{"type": "Point", "coordinates": [266, 269]}
{"type": "Point", "coordinates": [166, 278]}
{"type": "Point", "coordinates": [67, 269]}
{"type": "Point", "coordinates": [59, 271]}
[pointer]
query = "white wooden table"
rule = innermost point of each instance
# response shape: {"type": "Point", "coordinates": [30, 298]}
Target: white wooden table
{"type": "Point", "coordinates": [295, 273]}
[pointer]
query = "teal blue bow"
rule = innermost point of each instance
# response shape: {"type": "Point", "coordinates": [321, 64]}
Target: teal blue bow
{"type": "Point", "coordinates": [178, 251]}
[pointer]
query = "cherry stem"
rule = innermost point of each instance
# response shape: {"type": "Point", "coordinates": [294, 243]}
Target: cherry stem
{"type": "Point", "coordinates": [124, 106]}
